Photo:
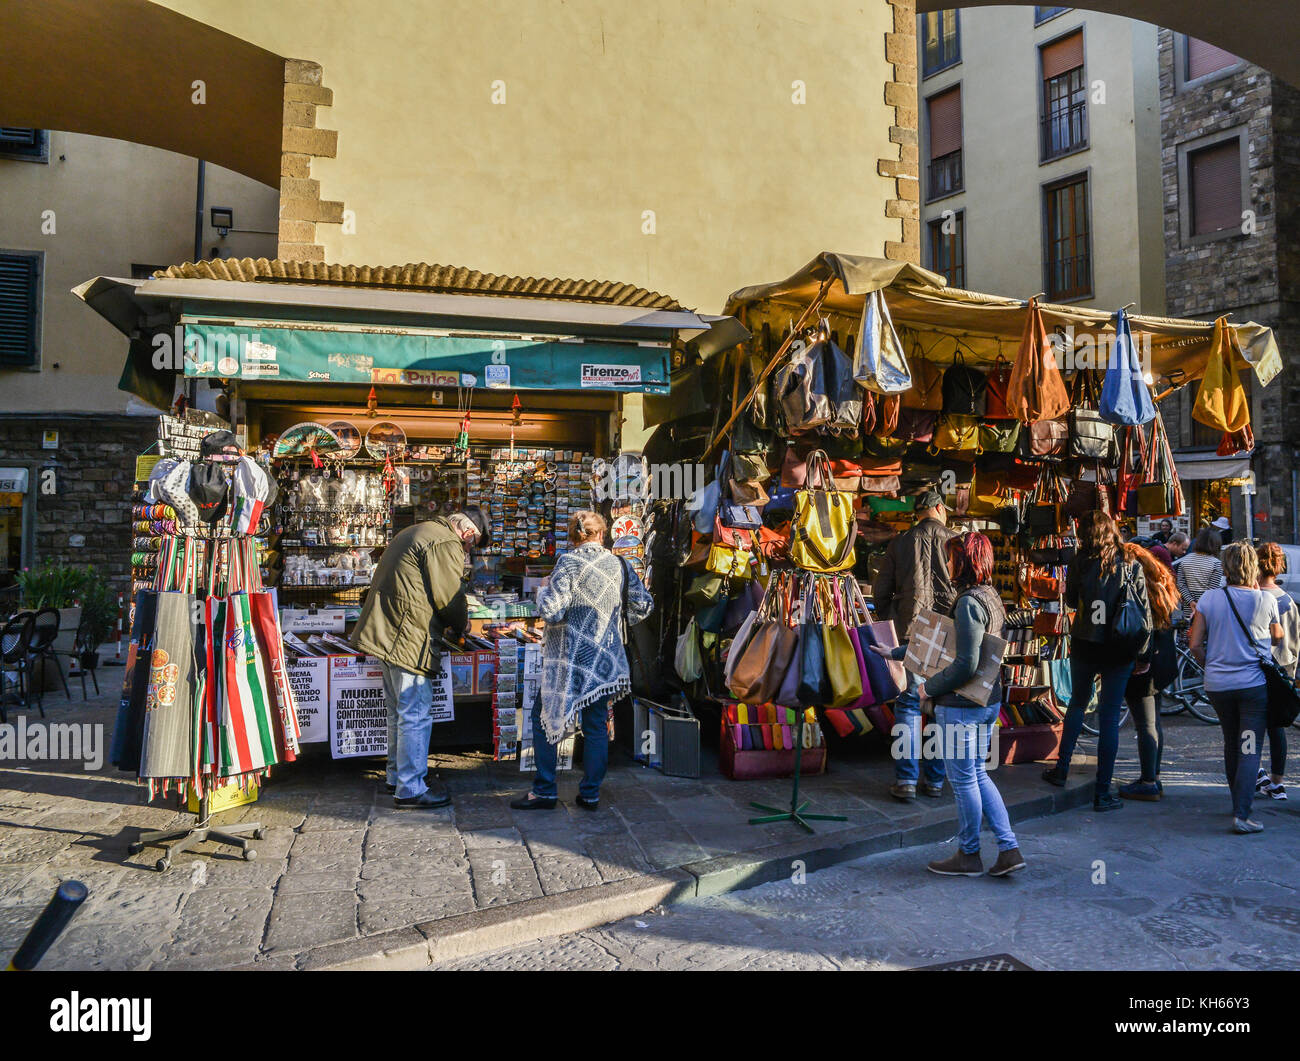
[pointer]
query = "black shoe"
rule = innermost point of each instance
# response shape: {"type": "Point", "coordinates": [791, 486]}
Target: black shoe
{"type": "Point", "coordinates": [1054, 777]}
{"type": "Point", "coordinates": [531, 802]}
{"type": "Point", "coordinates": [588, 804]}
{"type": "Point", "coordinates": [1109, 801]}
{"type": "Point", "coordinates": [425, 801]}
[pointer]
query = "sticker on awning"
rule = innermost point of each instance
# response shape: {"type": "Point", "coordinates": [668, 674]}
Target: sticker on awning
{"type": "Point", "coordinates": [611, 376]}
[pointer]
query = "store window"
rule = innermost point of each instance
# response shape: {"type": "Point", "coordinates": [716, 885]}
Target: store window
{"type": "Point", "coordinates": [1214, 186]}
{"type": "Point", "coordinates": [1043, 13]}
{"type": "Point", "coordinates": [13, 494]}
{"type": "Point", "coordinates": [1065, 98]}
{"type": "Point", "coordinates": [20, 304]}
{"type": "Point", "coordinates": [948, 246]}
{"type": "Point", "coordinates": [940, 33]}
{"type": "Point", "coordinates": [1068, 262]}
{"type": "Point", "coordinates": [943, 173]}
{"type": "Point", "coordinates": [1196, 61]}
{"type": "Point", "coordinates": [28, 145]}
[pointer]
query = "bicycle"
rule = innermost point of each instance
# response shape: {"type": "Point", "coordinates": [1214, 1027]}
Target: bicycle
{"type": "Point", "coordinates": [1187, 690]}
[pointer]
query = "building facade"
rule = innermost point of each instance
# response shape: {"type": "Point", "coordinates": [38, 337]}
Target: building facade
{"type": "Point", "coordinates": [1040, 160]}
{"type": "Point", "coordinates": [1230, 164]}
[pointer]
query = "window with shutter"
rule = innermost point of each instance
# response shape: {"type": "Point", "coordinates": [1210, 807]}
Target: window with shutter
{"type": "Point", "coordinates": [948, 248]}
{"type": "Point", "coordinates": [1214, 178]}
{"type": "Point", "coordinates": [1068, 264]}
{"type": "Point", "coordinates": [944, 166]}
{"type": "Point", "coordinates": [22, 143]}
{"type": "Point", "coordinates": [1204, 59]}
{"type": "Point", "coordinates": [19, 309]}
{"type": "Point", "coordinates": [1065, 98]}
{"type": "Point", "coordinates": [1042, 14]}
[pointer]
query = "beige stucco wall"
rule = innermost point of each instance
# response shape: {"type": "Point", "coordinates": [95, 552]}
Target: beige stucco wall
{"type": "Point", "coordinates": [115, 204]}
{"type": "Point", "coordinates": [999, 77]}
{"type": "Point", "coordinates": [680, 107]}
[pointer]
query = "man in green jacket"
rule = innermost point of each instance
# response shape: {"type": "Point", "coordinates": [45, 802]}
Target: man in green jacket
{"type": "Point", "coordinates": [418, 591]}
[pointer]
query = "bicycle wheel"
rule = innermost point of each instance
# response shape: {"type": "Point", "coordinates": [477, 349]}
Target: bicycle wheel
{"type": "Point", "coordinates": [1189, 689]}
{"type": "Point", "coordinates": [1090, 716]}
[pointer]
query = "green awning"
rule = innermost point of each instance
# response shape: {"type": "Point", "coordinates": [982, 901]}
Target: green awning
{"type": "Point", "coordinates": [330, 355]}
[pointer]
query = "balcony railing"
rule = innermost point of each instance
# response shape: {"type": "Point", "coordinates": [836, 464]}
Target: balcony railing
{"type": "Point", "coordinates": [943, 176]}
{"type": "Point", "coordinates": [1064, 129]}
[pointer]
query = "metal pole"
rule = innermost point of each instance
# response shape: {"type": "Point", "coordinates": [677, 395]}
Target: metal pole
{"type": "Point", "coordinates": [198, 214]}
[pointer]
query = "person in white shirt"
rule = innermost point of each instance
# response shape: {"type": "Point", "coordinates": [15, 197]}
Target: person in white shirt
{"type": "Point", "coordinates": [1272, 562]}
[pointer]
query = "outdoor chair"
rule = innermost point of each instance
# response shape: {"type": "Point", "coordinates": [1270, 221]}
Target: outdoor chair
{"type": "Point", "coordinates": [13, 658]}
{"type": "Point", "coordinates": [86, 653]}
{"type": "Point", "coordinates": [40, 648]}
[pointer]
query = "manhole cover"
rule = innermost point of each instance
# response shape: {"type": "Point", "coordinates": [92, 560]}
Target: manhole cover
{"type": "Point", "coordinates": [992, 963]}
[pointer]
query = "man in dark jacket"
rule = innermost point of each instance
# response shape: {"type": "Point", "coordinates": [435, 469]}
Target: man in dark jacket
{"type": "Point", "coordinates": [914, 576]}
{"type": "Point", "coordinates": [418, 591]}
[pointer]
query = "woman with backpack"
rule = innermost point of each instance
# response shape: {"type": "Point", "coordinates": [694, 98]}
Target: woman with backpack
{"type": "Point", "coordinates": [1152, 674]}
{"type": "Point", "coordinates": [1109, 634]}
{"type": "Point", "coordinates": [1234, 628]}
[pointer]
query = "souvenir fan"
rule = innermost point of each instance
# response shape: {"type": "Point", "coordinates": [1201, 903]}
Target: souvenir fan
{"type": "Point", "coordinates": [385, 440]}
{"type": "Point", "coordinates": [349, 438]}
{"type": "Point", "coordinates": [306, 438]}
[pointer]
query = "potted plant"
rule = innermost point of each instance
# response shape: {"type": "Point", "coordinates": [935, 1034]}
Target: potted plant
{"type": "Point", "coordinates": [76, 592]}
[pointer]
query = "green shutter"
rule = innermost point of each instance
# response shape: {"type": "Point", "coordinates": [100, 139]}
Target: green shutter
{"type": "Point", "coordinates": [19, 293]}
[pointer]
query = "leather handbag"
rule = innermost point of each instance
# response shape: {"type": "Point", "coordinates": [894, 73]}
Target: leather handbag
{"type": "Point", "coordinates": [1036, 390]}
{"type": "Point", "coordinates": [814, 688]}
{"type": "Point", "coordinates": [999, 436]}
{"type": "Point", "coordinates": [802, 394]}
{"type": "Point", "coordinates": [841, 659]}
{"type": "Point", "coordinates": [823, 527]}
{"type": "Point", "coordinates": [956, 433]}
{"type": "Point", "coordinates": [995, 394]}
{"type": "Point", "coordinates": [888, 407]}
{"type": "Point", "coordinates": [880, 364]}
{"type": "Point", "coordinates": [1090, 437]}
{"type": "Point", "coordinates": [927, 387]}
{"type": "Point", "coordinates": [736, 537]}
{"type": "Point", "coordinates": [1125, 397]}
{"type": "Point", "coordinates": [881, 485]}
{"type": "Point", "coordinates": [733, 514]}
{"type": "Point", "coordinates": [787, 693]}
{"type": "Point", "coordinates": [749, 492]}
{"type": "Point", "coordinates": [746, 467]}
{"type": "Point", "coordinates": [774, 542]}
{"type": "Point", "coordinates": [705, 590]}
{"type": "Point", "coordinates": [751, 677]}
{"type": "Point", "coordinates": [880, 447]}
{"type": "Point", "coordinates": [1160, 494]}
{"type": "Point", "coordinates": [916, 425]}
{"type": "Point", "coordinates": [1044, 440]}
{"type": "Point", "coordinates": [794, 468]}
{"type": "Point", "coordinates": [1044, 514]}
{"type": "Point", "coordinates": [964, 388]}
{"type": "Point", "coordinates": [845, 394]}
{"type": "Point", "coordinates": [729, 562]}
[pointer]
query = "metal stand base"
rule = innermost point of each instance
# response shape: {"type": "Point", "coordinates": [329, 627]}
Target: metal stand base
{"type": "Point", "coordinates": [795, 813]}
{"type": "Point", "coordinates": [188, 839]}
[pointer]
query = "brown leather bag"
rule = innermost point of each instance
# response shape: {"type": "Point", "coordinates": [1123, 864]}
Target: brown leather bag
{"type": "Point", "coordinates": [1036, 390]}
{"type": "Point", "coordinates": [927, 387]}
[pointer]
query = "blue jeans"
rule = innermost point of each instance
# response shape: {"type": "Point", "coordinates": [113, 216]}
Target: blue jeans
{"type": "Point", "coordinates": [907, 712]}
{"type": "Point", "coordinates": [1087, 662]}
{"type": "Point", "coordinates": [595, 752]}
{"type": "Point", "coordinates": [409, 698]}
{"type": "Point", "coordinates": [1242, 712]}
{"type": "Point", "coordinates": [966, 732]}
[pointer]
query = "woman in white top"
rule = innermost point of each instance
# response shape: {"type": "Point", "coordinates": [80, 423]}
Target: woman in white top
{"type": "Point", "coordinates": [1272, 562]}
{"type": "Point", "coordinates": [1200, 569]}
{"type": "Point", "coordinates": [1234, 679]}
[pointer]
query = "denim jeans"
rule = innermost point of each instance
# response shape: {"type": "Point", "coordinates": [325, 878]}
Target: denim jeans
{"type": "Point", "coordinates": [1142, 700]}
{"type": "Point", "coordinates": [409, 698]}
{"type": "Point", "coordinates": [1242, 712]}
{"type": "Point", "coordinates": [965, 732]}
{"type": "Point", "coordinates": [595, 752]}
{"type": "Point", "coordinates": [1088, 661]}
{"type": "Point", "coordinates": [907, 712]}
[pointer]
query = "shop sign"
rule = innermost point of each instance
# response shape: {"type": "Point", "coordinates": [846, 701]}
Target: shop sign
{"type": "Point", "coordinates": [13, 480]}
{"type": "Point", "coordinates": [496, 375]}
{"type": "Point", "coordinates": [610, 375]}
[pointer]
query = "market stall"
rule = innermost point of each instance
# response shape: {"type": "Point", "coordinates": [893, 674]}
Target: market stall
{"type": "Point", "coordinates": [373, 398]}
{"type": "Point", "coordinates": [866, 381]}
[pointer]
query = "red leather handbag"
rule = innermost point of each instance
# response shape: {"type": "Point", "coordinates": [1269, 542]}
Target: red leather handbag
{"type": "Point", "coordinates": [995, 404]}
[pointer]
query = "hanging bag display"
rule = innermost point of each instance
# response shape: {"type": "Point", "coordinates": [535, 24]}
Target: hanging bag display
{"type": "Point", "coordinates": [880, 364]}
{"type": "Point", "coordinates": [1159, 493]}
{"type": "Point", "coordinates": [750, 655]}
{"type": "Point", "coordinates": [1044, 509]}
{"type": "Point", "coordinates": [841, 660]}
{"type": "Point", "coordinates": [1036, 390]}
{"type": "Point", "coordinates": [995, 393]}
{"type": "Point", "coordinates": [926, 393]}
{"type": "Point", "coordinates": [823, 527]}
{"type": "Point", "coordinates": [964, 388]}
{"type": "Point", "coordinates": [1125, 398]}
{"type": "Point", "coordinates": [845, 394]}
{"type": "Point", "coordinates": [1091, 438]}
{"type": "Point", "coordinates": [814, 688]}
{"type": "Point", "coordinates": [956, 433]}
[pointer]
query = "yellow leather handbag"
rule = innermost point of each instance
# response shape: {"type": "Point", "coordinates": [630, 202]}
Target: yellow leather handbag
{"type": "Point", "coordinates": [824, 526]}
{"type": "Point", "coordinates": [956, 432]}
{"type": "Point", "coordinates": [730, 562]}
{"type": "Point", "coordinates": [841, 659]}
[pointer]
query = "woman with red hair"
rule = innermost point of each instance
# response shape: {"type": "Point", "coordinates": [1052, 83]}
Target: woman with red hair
{"type": "Point", "coordinates": [1152, 674]}
{"type": "Point", "coordinates": [966, 726]}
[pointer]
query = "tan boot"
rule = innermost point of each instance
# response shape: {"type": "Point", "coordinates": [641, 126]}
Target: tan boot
{"type": "Point", "coordinates": [1008, 862]}
{"type": "Point", "coordinates": [958, 864]}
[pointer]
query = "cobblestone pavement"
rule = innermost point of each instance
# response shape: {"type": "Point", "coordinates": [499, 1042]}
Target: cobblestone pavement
{"type": "Point", "coordinates": [1156, 886]}
{"type": "Point", "coordinates": [338, 861]}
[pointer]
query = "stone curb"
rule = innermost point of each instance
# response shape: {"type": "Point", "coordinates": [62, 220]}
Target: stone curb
{"type": "Point", "coordinates": [464, 935]}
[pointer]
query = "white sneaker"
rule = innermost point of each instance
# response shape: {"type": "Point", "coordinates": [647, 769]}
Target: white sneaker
{"type": "Point", "coordinates": [1273, 791]}
{"type": "Point", "coordinates": [1246, 825]}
